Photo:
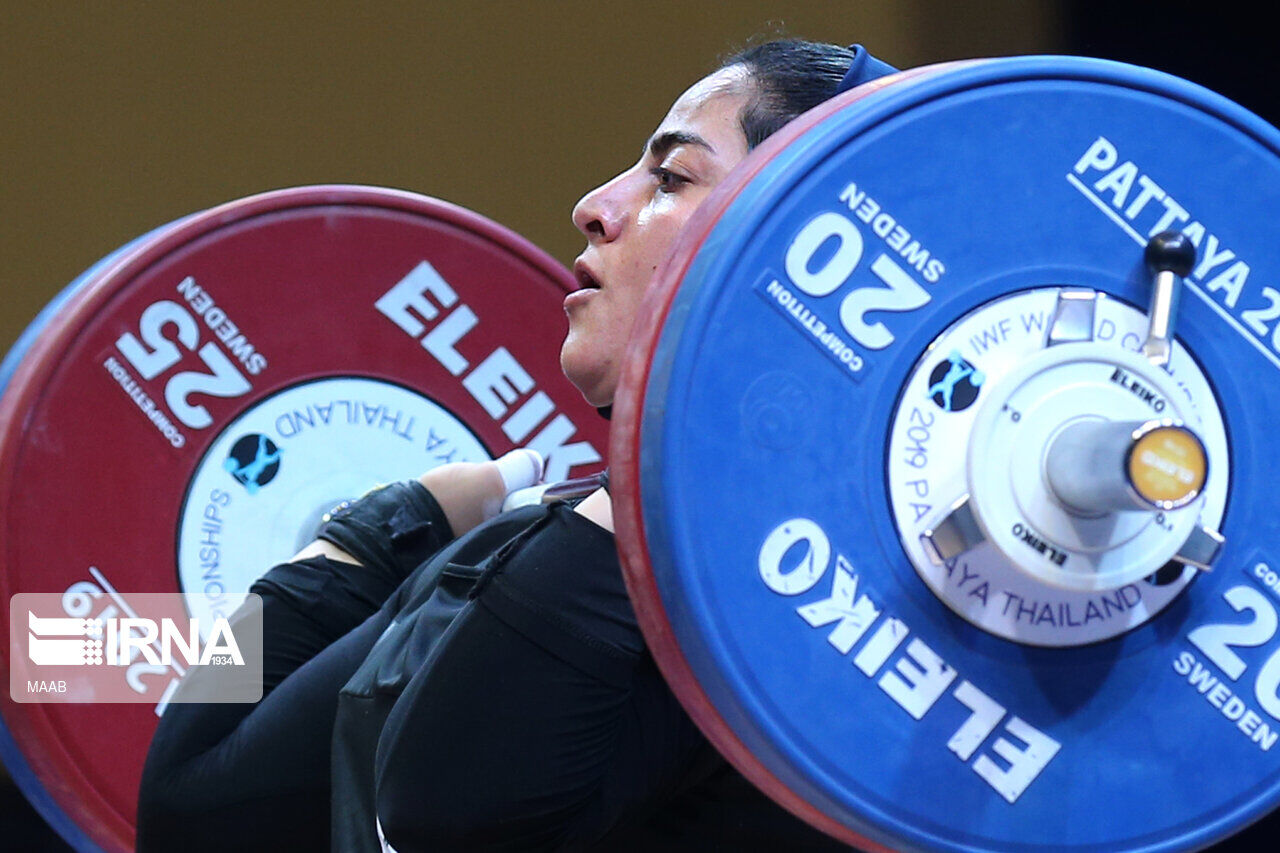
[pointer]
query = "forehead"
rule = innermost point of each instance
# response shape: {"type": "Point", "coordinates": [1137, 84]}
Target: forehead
{"type": "Point", "coordinates": [710, 108]}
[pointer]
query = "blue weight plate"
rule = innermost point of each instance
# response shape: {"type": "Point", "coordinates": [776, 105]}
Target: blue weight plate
{"type": "Point", "coordinates": [757, 462]}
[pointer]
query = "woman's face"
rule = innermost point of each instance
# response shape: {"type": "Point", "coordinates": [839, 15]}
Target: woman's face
{"type": "Point", "coordinates": [631, 222]}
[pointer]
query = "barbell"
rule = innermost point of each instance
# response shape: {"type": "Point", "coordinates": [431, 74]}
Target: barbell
{"type": "Point", "coordinates": [940, 461]}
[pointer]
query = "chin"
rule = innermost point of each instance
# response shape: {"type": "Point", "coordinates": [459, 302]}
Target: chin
{"type": "Point", "coordinates": [591, 360]}
{"type": "Point", "coordinates": [595, 384]}
{"type": "Point", "coordinates": [576, 369]}
{"type": "Point", "coordinates": [597, 394]}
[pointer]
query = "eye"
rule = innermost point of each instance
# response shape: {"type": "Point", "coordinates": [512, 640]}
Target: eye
{"type": "Point", "coordinates": [668, 181]}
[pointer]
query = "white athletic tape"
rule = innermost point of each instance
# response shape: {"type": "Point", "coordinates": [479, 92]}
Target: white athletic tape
{"type": "Point", "coordinates": [520, 469]}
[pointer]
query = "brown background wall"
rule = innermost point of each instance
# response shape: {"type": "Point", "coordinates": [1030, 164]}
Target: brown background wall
{"type": "Point", "coordinates": [117, 117]}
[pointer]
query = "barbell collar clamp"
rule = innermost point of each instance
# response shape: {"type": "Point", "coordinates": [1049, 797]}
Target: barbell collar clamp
{"type": "Point", "coordinates": [1073, 318]}
{"type": "Point", "coordinates": [1170, 257]}
{"type": "Point", "coordinates": [1201, 549]}
{"type": "Point", "coordinates": [1095, 466]}
{"type": "Point", "coordinates": [957, 532]}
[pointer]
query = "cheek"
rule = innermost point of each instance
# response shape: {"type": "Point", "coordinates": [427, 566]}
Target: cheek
{"type": "Point", "coordinates": [626, 309]}
{"type": "Point", "coordinates": [659, 224]}
{"type": "Point", "coordinates": [663, 207]}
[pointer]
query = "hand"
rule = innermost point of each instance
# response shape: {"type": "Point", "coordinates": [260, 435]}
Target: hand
{"type": "Point", "coordinates": [468, 492]}
{"type": "Point", "coordinates": [472, 492]}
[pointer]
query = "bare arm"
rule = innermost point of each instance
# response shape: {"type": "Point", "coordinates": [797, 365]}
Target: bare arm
{"type": "Point", "coordinates": [468, 492]}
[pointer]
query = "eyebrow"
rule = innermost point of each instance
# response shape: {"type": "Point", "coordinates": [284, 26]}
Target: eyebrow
{"type": "Point", "coordinates": [661, 143]}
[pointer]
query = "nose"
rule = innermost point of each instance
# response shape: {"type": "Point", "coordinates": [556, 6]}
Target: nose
{"type": "Point", "coordinates": [599, 214]}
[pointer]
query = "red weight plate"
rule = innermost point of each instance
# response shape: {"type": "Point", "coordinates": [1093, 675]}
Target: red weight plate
{"type": "Point", "coordinates": [199, 403]}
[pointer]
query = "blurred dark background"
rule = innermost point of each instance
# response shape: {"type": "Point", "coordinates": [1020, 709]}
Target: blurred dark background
{"type": "Point", "coordinates": [118, 117]}
{"type": "Point", "coordinates": [1206, 43]}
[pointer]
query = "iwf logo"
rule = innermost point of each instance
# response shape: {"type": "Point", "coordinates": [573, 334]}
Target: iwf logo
{"type": "Point", "coordinates": [954, 383]}
{"type": "Point", "coordinates": [93, 643]}
{"type": "Point", "coordinates": [61, 641]}
{"type": "Point", "coordinates": [253, 461]}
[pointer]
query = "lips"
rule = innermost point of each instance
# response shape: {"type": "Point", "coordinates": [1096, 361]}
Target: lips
{"type": "Point", "coordinates": [588, 284]}
{"type": "Point", "coordinates": [580, 296]}
{"type": "Point", "coordinates": [585, 277]}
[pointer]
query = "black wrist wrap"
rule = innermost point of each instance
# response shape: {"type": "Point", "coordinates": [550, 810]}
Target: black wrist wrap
{"type": "Point", "coordinates": [394, 528]}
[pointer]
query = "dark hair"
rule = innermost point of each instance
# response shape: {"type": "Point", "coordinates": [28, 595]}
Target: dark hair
{"type": "Point", "coordinates": [789, 77]}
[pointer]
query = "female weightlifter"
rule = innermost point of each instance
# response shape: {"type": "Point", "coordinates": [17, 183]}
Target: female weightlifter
{"type": "Point", "coordinates": [437, 681]}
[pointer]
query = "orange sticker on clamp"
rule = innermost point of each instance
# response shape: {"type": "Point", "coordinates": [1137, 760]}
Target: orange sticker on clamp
{"type": "Point", "coordinates": [1167, 466]}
